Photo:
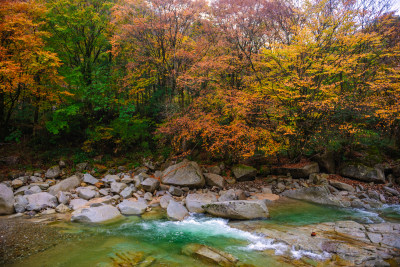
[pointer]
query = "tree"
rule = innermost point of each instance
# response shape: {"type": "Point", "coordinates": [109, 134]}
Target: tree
{"type": "Point", "coordinates": [27, 69]}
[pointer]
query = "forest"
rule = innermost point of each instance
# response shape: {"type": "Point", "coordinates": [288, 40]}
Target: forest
{"type": "Point", "coordinates": [222, 80]}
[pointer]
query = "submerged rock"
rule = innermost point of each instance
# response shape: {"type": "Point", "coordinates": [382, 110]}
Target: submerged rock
{"type": "Point", "coordinates": [176, 211]}
{"type": "Point", "coordinates": [97, 214]}
{"type": "Point", "coordinates": [185, 173]}
{"type": "Point", "coordinates": [6, 200]}
{"type": "Point", "coordinates": [238, 209]}
{"type": "Point", "coordinates": [194, 202]}
{"type": "Point", "coordinates": [209, 254]}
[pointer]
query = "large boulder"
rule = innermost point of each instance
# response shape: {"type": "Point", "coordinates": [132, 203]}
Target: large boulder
{"type": "Point", "coordinates": [326, 162]}
{"type": "Point", "coordinates": [316, 194]}
{"type": "Point", "coordinates": [209, 255]}
{"type": "Point", "coordinates": [65, 185]}
{"type": "Point", "coordinates": [6, 200]}
{"type": "Point", "coordinates": [238, 209]}
{"type": "Point", "coordinates": [176, 211]}
{"type": "Point", "coordinates": [244, 172]}
{"type": "Point", "coordinates": [363, 173]}
{"type": "Point", "coordinates": [129, 207]}
{"type": "Point", "coordinates": [150, 184]}
{"type": "Point", "coordinates": [53, 172]}
{"type": "Point", "coordinates": [194, 202]}
{"type": "Point", "coordinates": [41, 201]}
{"type": "Point", "coordinates": [186, 173]}
{"type": "Point", "coordinates": [98, 214]}
{"type": "Point", "coordinates": [301, 171]}
{"type": "Point", "coordinates": [214, 180]}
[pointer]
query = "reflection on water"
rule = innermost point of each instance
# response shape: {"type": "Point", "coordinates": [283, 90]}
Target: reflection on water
{"type": "Point", "coordinates": [162, 239]}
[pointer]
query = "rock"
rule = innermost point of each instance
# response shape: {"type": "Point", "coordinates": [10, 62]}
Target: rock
{"type": "Point", "coordinates": [41, 201]}
{"type": "Point", "coordinates": [175, 191]}
{"type": "Point", "coordinates": [232, 195]}
{"type": "Point", "coordinates": [10, 160]}
{"type": "Point", "coordinates": [20, 203]}
{"type": "Point", "coordinates": [150, 184]}
{"type": "Point", "coordinates": [326, 162]}
{"type": "Point", "coordinates": [266, 190]}
{"type": "Point", "coordinates": [86, 193]}
{"type": "Point", "coordinates": [341, 186]}
{"type": "Point", "coordinates": [318, 178]}
{"type": "Point", "coordinates": [391, 191]}
{"type": "Point", "coordinates": [194, 202]}
{"type": "Point", "coordinates": [48, 211]}
{"type": "Point", "coordinates": [65, 185]}
{"type": "Point", "coordinates": [77, 203]}
{"type": "Point", "coordinates": [127, 180]}
{"type": "Point", "coordinates": [53, 172]}
{"type": "Point", "coordinates": [17, 183]}
{"type": "Point", "coordinates": [62, 164]}
{"type": "Point", "coordinates": [164, 201]}
{"type": "Point", "coordinates": [98, 214]}
{"type": "Point", "coordinates": [63, 197]}
{"type": "Point", "coordinates": [238, 209]}
{"type": "Point", "coordinates": [363, 173]}
{"type": "Point", "coordinates": [244, 172]}
{"type": "Point", "coordinates": [210, 255]}
{"type": "Point", "coordinates": [148, 196]}
{"type": "Point", "coordinates": [129, 207]}
{"type": "Point", "coordinates": [105, 191]}
{"type": "Point", "coordinates": [185, 173]}
{"type": "Point", "coordinates": [62, 208]}
{"type": "Point", "coordinates": [80, 167]}
{"type": "Point", "coordinates": [108, 179]}
{"type": "Point", "coordinates": [214, 170]}
{"type": "Point", "coordinates": [33, 190]}
{"type": "Point", "coordinates": [214, 180]}
{"type": "Point", "coordinates": [176, 211]}
{"type": "Point", "coordinates": [299, 172]}
{"type": "Point", "coordinates": [117, 187]}
{"type": "Point", "coordinates": [316, 194]}
{"type": "Point", "coordinates": [42, 185]}
{"type": "Point", "coordinates": [266, 197]}
{"type": "Point", "coordinates": [126, 193]}
{"type": "Point", "coordinates": [89, 179]}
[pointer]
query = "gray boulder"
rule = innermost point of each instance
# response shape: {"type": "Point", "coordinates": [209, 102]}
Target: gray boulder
{"type": "Point", "coordinates": [175, 191]}
{"type": "Point", "coordinates": [363, 173]}
{"type": "Point", "coordinates": [110, 178]}
{"type": "Point", "coordinates": [129, 207]}
{"type": "Point", "coordinates": [238, 209]}
{"type": "Point", "coordinates": [342, 186]}
{"type": "Point", "coordinates": [185, 173]}
{"type": "Point", "coordinates": [299, 172]}
{"type": "Point", "coordinates": [164, 201]}
{"type": "Point", "coordinates": [86, 193]}
{"type": "Point", "coordinates": [214, 180]}
{"type": "Point", "coordinates": [33, 190]}
{"type": "Point", "coordinates": [65, 185]}
{"type": "Point", "coordinates": [89, 179]}
{"type": "Point", "coordinates": [150, 184]}
{"type": "Point", "coordinates": [176, 211]}
{"type": "Point", "coordinates": [53, 172]}
{"type": "Point", "coordinates": [316, 194]}
{"type": "Point", "coordinates": [194, 202]}
{"type": "Point", "coordinates": [117, 187]}
{"type": "Point", "coordinates": [77, 203]}
{"type": "Point", "coordinates": [63, 197]}
{"type": "Point", "coordinates": [41, 201]}
{"type": "Point", "coordinates": [20, 204]}
{"type": "Point", "coordinates": [126, 193]}
{"type": "Point", "coordinates": [6, 200]}
{"type": "Point", "coordinates": [99, 214]}
{"type": "Point", "coordinates": [244, 172]}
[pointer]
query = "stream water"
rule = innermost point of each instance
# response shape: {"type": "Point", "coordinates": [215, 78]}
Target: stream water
{"type": "Point", "coordinates": [153, 235]}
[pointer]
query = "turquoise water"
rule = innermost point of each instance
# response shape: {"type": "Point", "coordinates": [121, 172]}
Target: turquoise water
{"type": "Point", "coordinates": [164, 240]}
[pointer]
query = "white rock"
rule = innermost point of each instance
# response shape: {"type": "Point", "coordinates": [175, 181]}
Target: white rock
{"type": "Point", "coordinates": [164, 201]}
{"type": "Point", "coordinates": [86, 193]}
{"type": "Point", "coordinates": [129, 207]}
{"type": "Point", "coordinates": [126, 193]}
{"type": "Point", "coordinates": [98, 214]}
{"type": "Point", "coordinates": [62, 208]}
{"type": "Point", "coordinates": [195, 201]}
{"type": "Point", "coordinates": [65, 185]}
{"type": "Point", "coordinates": [41, 201]}
{"type": "Point", "coordinates": [89, 179]}
{"type": "Point", "coordinates": [6, 200]}
{"type": "Point", "coordinates": [117, 187]}
{"type": "Point", "coordinates": [176, 211]}
{"type": "Point", "coordinates": [77, 203]}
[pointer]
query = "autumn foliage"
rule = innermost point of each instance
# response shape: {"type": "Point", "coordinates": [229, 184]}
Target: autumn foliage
{"type": "Point", "coordinates": [234, 79]}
